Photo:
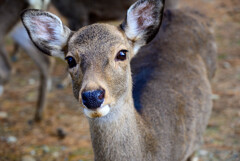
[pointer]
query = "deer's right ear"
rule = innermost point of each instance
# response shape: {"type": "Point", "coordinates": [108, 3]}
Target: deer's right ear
{"type": "Point", "coordinates": [46, 31]}
{"type": "Point", "coordinates": [143, 21]}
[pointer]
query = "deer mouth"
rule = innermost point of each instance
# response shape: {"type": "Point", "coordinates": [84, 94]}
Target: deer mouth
{"type": "Point", "coordinates": [99, 112]}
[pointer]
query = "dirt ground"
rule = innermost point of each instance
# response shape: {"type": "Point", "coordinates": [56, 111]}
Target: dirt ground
{"type": "Point", "coordinates": [64, 135]}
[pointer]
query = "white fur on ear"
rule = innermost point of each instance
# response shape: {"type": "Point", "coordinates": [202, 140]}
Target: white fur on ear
{"type": "Point", "coordinates": [46, 31]}
{"type": "Point", "coordinates": [135, 15]}
{"type": "Point", "coordinates": [142, 22]}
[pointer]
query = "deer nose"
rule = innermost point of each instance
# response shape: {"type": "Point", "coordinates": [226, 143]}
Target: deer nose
{"type": "Point", "coordinates": [93, 99]}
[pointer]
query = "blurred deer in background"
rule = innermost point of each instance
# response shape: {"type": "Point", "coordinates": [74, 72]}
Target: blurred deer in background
{"type": "Point", "coordinates": [163, 115]}
{"type": "Point", "coordinates": [84, 12]}
{"type": "Point", "coordinates": [10, 17]}
{"type": "Point", "coordinates": [9, 13]}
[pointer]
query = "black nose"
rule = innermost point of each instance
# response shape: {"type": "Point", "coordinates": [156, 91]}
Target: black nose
{"type": "Point", "coordinates": [93, 99]}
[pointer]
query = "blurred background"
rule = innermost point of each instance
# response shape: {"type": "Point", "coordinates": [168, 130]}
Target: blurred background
{"type": "Point", "coordinates": [29, 82]}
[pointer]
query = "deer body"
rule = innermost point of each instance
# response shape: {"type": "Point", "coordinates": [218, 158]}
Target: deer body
{"type": "Point", "coordinates": [171, 87]}
{"type": "Point", "coordinates": [163, 111]}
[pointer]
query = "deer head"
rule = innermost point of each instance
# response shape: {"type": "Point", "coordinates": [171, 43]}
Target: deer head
{"type": "Point", "coordinates": [98, 55]}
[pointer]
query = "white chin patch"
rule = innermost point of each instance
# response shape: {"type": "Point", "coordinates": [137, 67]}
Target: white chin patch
{"type": "Point", "coordinates": [99, 112]}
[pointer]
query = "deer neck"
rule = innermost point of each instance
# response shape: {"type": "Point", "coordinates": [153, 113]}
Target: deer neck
{"type": "Point", "coordinates": [123, 135]}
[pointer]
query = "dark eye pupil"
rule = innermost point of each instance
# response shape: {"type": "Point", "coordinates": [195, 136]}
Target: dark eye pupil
{"type": "Point", "coordinates": [121, 55]}
{"type": "Point", "coordinates": [71, 61]}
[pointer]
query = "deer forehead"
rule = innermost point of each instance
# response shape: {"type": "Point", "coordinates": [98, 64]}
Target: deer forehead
{"type": "Point", "coordinates": [98, 40]}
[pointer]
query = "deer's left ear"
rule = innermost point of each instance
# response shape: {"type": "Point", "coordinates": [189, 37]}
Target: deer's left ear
{"type": "Point", "coordinates": [142, 22]}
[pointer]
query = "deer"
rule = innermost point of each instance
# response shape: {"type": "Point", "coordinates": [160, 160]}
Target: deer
{"type": "Point", "coordinates": [80, 13]}
{"type": "Point", "coordinates": [9, 13]}
{"type": "Point", "coordinates": [145, 91]}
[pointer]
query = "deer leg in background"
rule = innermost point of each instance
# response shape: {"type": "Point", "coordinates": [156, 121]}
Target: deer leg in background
{"type": "Point", "coordinates": [5, 68]}
{"type": "Point", "coordinates": [43, 63]}
{"type": "Point", "coordinates": [43, 89]}
{"type": "Point", "coordinates": [16, 50]}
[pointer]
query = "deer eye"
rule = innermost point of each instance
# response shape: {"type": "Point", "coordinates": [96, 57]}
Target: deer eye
{"type": "Point", "coordinates": [71, 61]}
{"type": "Point", "coordinates": [121, 55]}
